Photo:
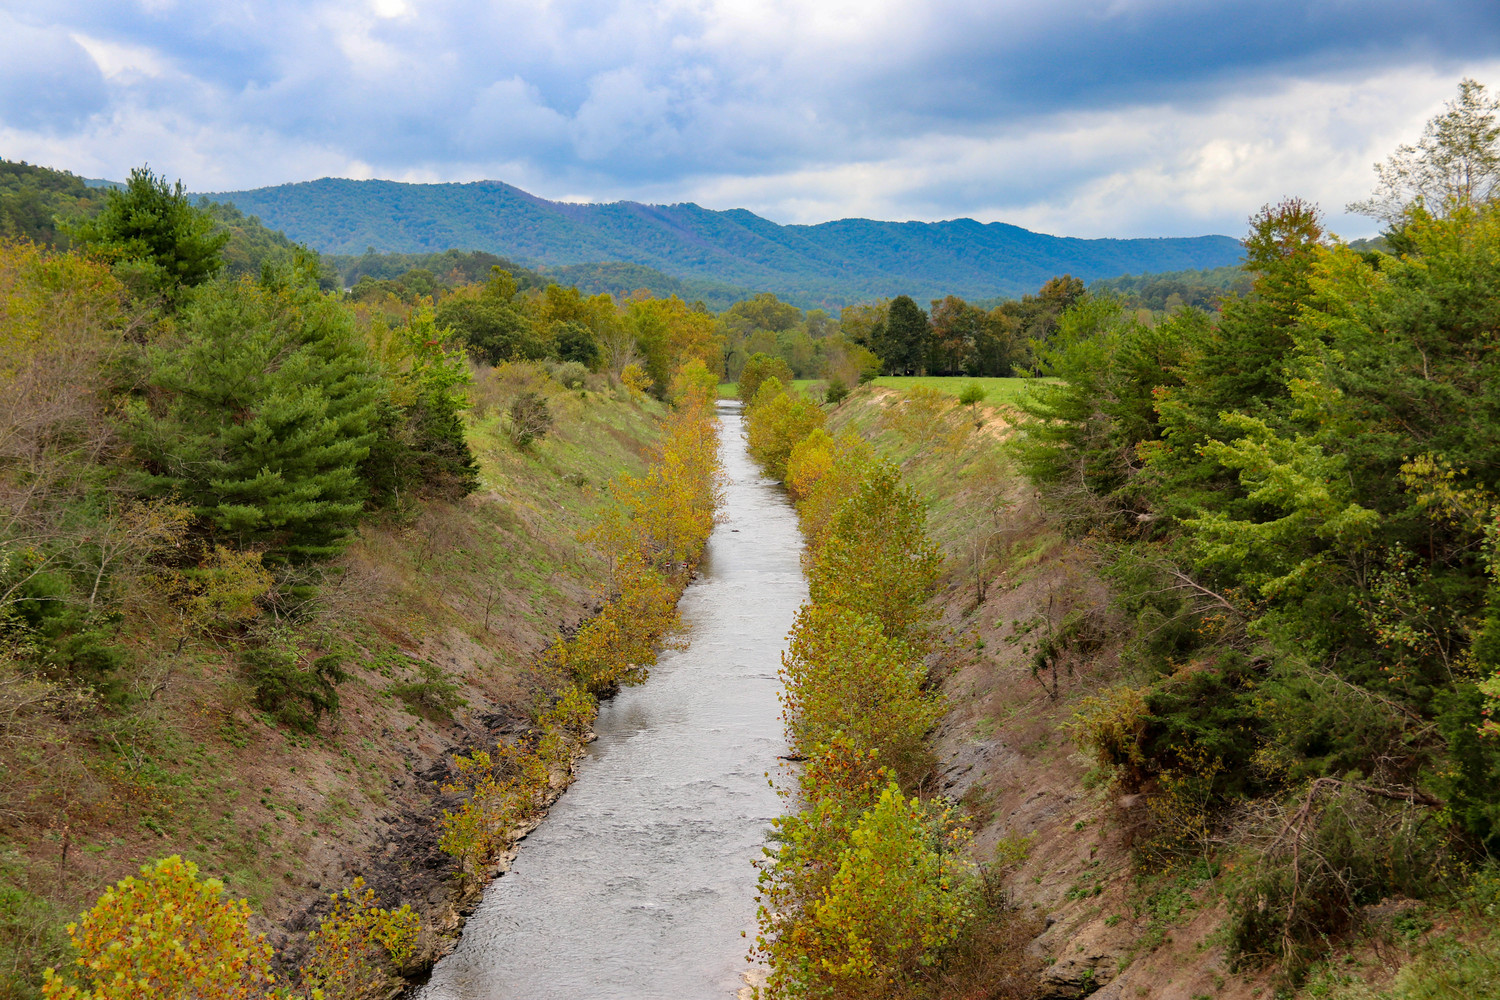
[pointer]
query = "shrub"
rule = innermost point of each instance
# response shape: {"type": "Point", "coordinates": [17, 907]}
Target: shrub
{"type": "Point", "coordinates": [971, 394]}
{"type": "Point", "coordinates": [356, 944]}
{"type": "Point", "coordinates": [896, 900]}
{"type": "Point", "coordinates": [898, 893]}
{"type": "Point", "coordinates": [758, 369]}
{"type": "Point", "coordinates": [433, 693]}
{"type": "Point", "coordinates": [221, 595]}
{"type": "Point", "coordinates": [530, 419]}
{"type": "Point", "coordinates": [921, 416]}
{"type": "Point", "coordinates": [1109, 728]}
{"type": "Point", "coordinates": [1327, 853]}
{"type": "Point", "coordinates": [849, 463]}
{"type": "Point", "coordinates": [663, 518]}
{"type": "Point", "coordinates": [843, 676]}
{"type": "Point", "coordinates": [809, 461]}
{"type": "Point", "coordinates": [617, 646]}
{"type": "Point", "coordinates": [636, 380]}
{"type": "Point", "coordinates": [165, 934]}
{"type": "Point", "coordinates": [877, 558]}
{"type": "Point", "coordinates": [694, 378]}
{"type": "Point", "coordinates": [570, 374]}
{"type": "Point", "coordinates": [89, 655]}
{"type": "Point", "coordinates": [777, 420]}
{"type": "Point", "coordinates": [836, 392]}
{"type": "Point", "coordinates": [296, 696]}
{"type": "Point", "coordinates": [499, 790]}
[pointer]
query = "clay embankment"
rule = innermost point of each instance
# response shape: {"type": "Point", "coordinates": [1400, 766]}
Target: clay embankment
{"type": "Point", "coordinates": [439, 616]}
{"type": "Point", "coordinates": [1005, 745]}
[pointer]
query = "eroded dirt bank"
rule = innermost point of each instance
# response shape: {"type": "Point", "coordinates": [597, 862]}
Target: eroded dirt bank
{"type": "Point", "coordinates": [439, 615]}
{"type": "Point", "coordinates": [1005, 745]}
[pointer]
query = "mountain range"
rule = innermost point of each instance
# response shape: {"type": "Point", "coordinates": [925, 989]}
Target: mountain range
{"type": "Point", "coordinates": [829, 264]}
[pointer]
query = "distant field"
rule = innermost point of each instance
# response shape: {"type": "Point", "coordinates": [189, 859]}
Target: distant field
{"type": "Point", "coordinates": [997, 390]}
{"type": "Point", "coordinates": [727, 390]}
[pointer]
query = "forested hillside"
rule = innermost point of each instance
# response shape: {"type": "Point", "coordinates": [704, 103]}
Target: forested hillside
{"type": "Point", "coordinates": [273, 560]}
{"type": "Point", "coordinates": [827, 265]}
{"type": "Point", "coordinates": [1220, 663]}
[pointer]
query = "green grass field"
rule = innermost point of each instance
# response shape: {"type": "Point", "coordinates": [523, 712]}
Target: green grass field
{"type": "Point", "coordinates": [728, 390]}
{"type": "Point", "coordinates": [998, 391]}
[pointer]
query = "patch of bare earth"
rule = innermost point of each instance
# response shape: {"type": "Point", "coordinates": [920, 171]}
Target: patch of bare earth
{"type": "Point", "coordinates": [1005, 750]}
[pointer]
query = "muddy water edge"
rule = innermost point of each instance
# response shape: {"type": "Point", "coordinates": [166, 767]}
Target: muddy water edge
{"type": "Point", "coordinates": [639, 882]}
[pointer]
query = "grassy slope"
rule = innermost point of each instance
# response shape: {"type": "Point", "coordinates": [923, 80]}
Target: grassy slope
{"type": "Point", "coordinates": [1006, 751]}
{"type": "Point", "coordinates": [998, 391]}
{"type": "Point", "coordinates": [1004, 747]}
{"type": "Point", "coordinates": [477, 588]}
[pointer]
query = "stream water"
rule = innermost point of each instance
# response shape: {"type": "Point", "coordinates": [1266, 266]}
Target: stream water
{"type": "Point", "coordinates": [638, 883]}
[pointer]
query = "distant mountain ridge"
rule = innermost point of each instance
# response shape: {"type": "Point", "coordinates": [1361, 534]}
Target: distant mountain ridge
{"type": "Point", "coordinates": [828, 264]}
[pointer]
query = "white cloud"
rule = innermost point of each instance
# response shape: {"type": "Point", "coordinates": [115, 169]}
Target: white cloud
{"type": "Point", "coordinates": [120, 63]}
{"type": "Point", "coordinates": [1082, 117]}
{"type": "Point", "coordinates": [1151, 170]}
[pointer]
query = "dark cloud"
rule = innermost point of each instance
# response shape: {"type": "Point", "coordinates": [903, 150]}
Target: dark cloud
{"type": "Point", "coordinates": [1099, 54]}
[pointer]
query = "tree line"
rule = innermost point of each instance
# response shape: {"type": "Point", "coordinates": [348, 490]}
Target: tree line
{"type": "Point", "coordinates": [1296, 504]}
{"type": "Point", "coordinates": [184, 453]}
{"type": "Point", "coordinates": [867, 888]}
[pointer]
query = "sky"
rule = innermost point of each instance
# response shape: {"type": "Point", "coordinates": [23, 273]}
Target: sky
{"type": "Point", "coordinates": [1075, 117]}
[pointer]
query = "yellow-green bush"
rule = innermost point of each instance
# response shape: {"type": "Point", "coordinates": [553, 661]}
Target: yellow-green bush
{"type": "Point", "coordinates": [877, 558]}
{"type": "Point", "coordinates": [843, 676]}
{"type": "Point", "coordinates": [165, 934]}
{"type": "Point", "coordinates": [778, 419]}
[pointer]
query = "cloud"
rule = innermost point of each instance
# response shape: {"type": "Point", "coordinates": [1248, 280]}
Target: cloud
{"type": "Point", "coordinates": [48, 82]}
{"type": "Point", "coordinates": [1088, 117]}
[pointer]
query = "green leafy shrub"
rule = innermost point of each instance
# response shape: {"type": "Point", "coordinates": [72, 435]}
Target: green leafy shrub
{"type": "Point", "coordinates": [93, 657]}
{"type": "Point", "coordinates": [876, 558]}
{"type": "Point", "coordinates": [432, 693]}
{"type": "Point", "coordinates": [297, 696]}
{"type": "Point", "coordinates": [530, 419]}
{"type": "Point", "coordinates": [570, 374]}
{"type": "Point", "coordinates": [757, 370]}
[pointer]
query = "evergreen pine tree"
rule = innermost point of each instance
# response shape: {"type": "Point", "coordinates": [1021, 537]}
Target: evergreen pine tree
{"type": "Point", "coordinates": [259, 416]}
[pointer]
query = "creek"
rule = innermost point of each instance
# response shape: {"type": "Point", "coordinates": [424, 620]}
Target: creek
{"type": "Point", "coordinates": [639, 882]}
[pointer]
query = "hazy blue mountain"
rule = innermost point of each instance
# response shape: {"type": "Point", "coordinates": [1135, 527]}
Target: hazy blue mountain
{"type": "Point", "coordinates": [829, 264]}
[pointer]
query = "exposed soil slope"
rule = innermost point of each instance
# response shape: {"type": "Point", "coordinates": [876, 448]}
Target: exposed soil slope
{"type": "Point", "coordinates": [474, 589]}
{"type": "Point", "coordinates": [1005, 747]}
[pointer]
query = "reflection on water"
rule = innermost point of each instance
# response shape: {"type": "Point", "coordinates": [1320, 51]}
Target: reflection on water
{"type": "Point", "coordinates": [639, 882]}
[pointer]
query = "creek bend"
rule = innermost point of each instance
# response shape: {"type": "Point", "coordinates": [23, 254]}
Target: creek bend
{"type": "Point", "coordinates": [639, 881]}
